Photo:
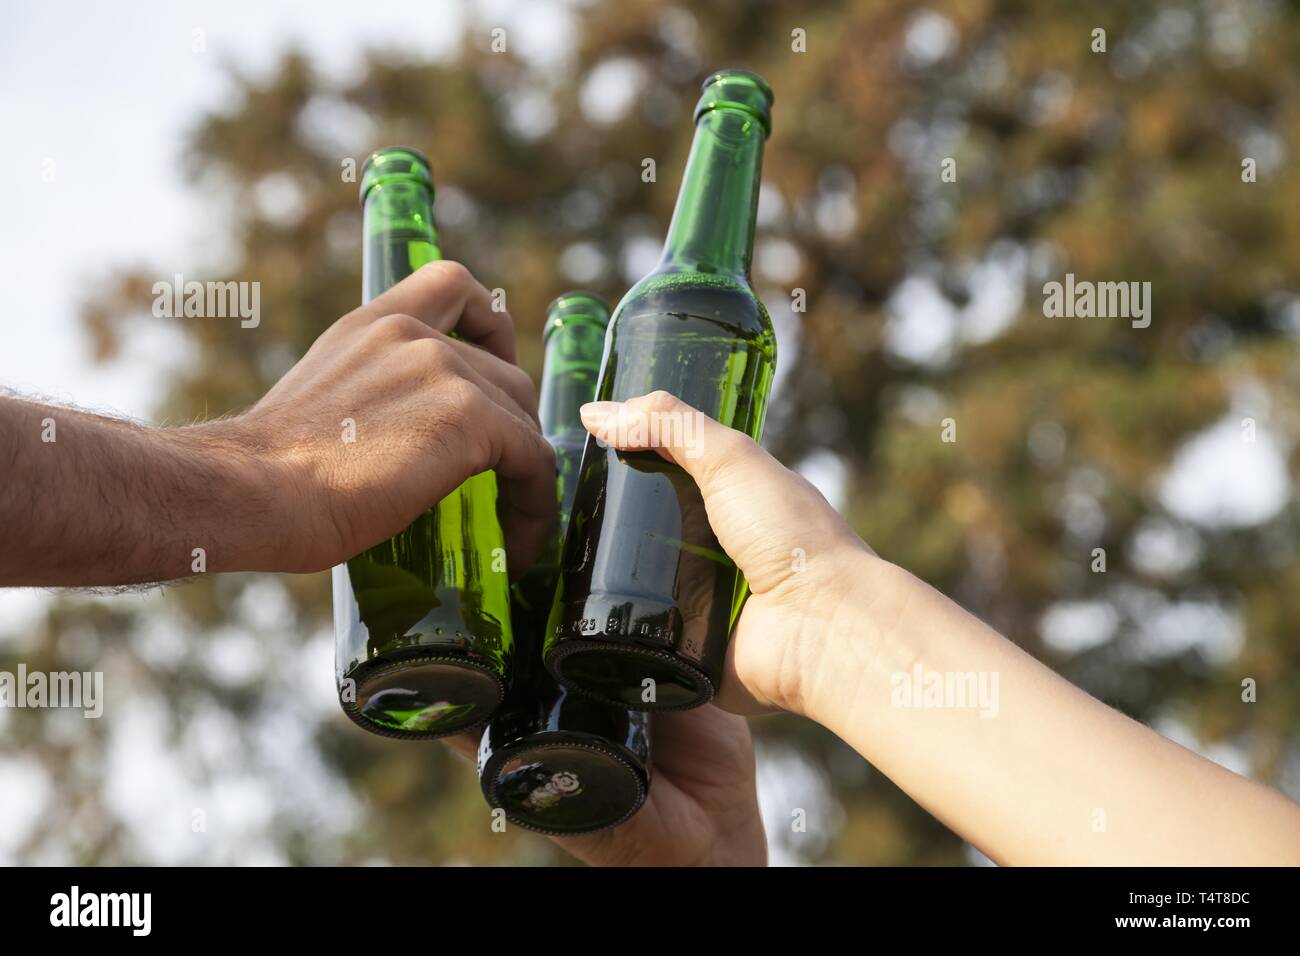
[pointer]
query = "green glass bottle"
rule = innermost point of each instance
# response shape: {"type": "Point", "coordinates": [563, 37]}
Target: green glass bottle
{"type": "Point", "coordinates": [647, 597]}
{"type": "Point", "coordinates": [423, 644]}
{"type": "Point", "coordinates": [555, 761]}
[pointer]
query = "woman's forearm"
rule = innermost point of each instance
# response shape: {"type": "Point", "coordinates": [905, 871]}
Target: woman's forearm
{"type": "Point", "coordinates": [1014, 758]}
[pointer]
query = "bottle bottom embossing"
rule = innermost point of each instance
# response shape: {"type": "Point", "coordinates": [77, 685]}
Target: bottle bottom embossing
{"type": "Point", "coordinates": [628, 674]}
{"type": "Point", "coordinates": [564, 783]}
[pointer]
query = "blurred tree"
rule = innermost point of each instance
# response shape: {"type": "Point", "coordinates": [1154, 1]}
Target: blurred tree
{"type": "Point", "coordinates": [931, 168]}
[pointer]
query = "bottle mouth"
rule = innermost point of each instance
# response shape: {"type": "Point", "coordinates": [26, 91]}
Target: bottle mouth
{"type": "Point", "coordinates": [576, 306]}
{"type": "Point", "coordinates": [739, 90]}
{"type": "Point", "coordinates": [395, 164]}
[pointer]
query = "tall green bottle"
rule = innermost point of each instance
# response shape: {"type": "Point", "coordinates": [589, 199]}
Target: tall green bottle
{"type": "Point", "coordinates": [423, 644]}
{"type": "Point", "coordinates": [554, 761]}
{"type": "Point", "coordinates": [647, 597]}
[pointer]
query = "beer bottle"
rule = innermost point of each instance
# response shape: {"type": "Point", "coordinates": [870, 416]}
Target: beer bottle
{"type": "Point", "coordinates": [422, 628]}
{"type": "Point", "coordinates": [555, 761]}
{"type": "Point", "coordinates": [647, 597]}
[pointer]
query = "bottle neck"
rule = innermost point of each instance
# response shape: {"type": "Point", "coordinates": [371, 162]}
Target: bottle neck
{"type": "Point", "coordinates": [713, 224]}
{"type": "Point", "coordinates": [399, 235]}
{"type": "Point", "coordinates": [570, 371]}
{"type": "Point", "coordinates": [569, 377]}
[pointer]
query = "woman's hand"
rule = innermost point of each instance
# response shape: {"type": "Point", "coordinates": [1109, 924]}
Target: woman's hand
{"type": "Point", "coordinates": [1025, 766]}
{"type": "Point", "coordinates": [802, 561]}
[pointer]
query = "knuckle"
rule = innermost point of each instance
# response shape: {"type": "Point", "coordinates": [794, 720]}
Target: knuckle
{"type": "Point", "coordinates": [449, 270]}
{"type": "Point", "coordinates": [521, 382]}
{"type": "Point", "coordinates": [461, 424]}
{"type": "Point", "coordinates": [465, 397]}
{"type": "Point", "coordinates": [542, 445]}
{"type": "Point", "coordinates": [658, 401]}
{"type": "Point", "coordinates": [436, 355]}
{"type": "Point", "coordinates": [397, 327]}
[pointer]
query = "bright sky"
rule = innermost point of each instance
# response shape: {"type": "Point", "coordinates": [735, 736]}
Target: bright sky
{"type": "Point", "coordinates": [101, 96]}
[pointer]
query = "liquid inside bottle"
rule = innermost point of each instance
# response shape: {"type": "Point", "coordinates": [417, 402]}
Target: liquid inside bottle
{"type": "Point", "coordinates": [647, 596]}
{"type": "Point", "coordinates": [422, 621]}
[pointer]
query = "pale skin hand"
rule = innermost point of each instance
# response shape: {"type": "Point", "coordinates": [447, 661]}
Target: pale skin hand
{"type": "Point", "coordinates": [1024, 786]}
{"type": "Point", "coordinates": [702, 809]}
{"type": "Point", "coordinates": [278, 488]}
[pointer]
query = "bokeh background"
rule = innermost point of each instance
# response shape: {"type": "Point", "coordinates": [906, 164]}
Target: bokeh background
{"type": "Point", "coordinates": [209, 139]}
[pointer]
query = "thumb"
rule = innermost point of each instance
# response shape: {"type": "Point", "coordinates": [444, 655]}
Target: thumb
{"type": "Point", "coordinates": [752, 500]}
{"type": "Point", "coordinates": [683, 435]}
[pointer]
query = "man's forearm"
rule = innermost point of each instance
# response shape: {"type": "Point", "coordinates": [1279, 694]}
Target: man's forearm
{"type": "Point", "coordinates": [1021, 763]}
{"type": "Point", "coordinates": [91, 501]}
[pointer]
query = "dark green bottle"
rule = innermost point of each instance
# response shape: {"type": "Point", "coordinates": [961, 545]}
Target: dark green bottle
{"type": "Point", "coordinates": [647, 597]}
{"type": "Point", "coordinates": [423, 644]}
{"type": "Point", "coordinates": [555, 761]}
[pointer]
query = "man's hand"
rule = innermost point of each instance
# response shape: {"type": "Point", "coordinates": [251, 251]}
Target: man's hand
{"type": "Point", "coordinates": [384, 416]}
{"type": "Point", "coordinates": [428, 411]}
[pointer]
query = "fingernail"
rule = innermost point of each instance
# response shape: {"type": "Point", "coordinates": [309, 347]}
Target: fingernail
{"type": "Point", "coordinates": [598, 412]}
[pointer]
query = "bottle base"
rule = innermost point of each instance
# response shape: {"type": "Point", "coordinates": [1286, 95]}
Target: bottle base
{"type": "Point", "coordinates": [423, 698]}
{"type": "Point", "coordinates": [565, 786]}
{"type": "Point", "coordinates": [616, 673]}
